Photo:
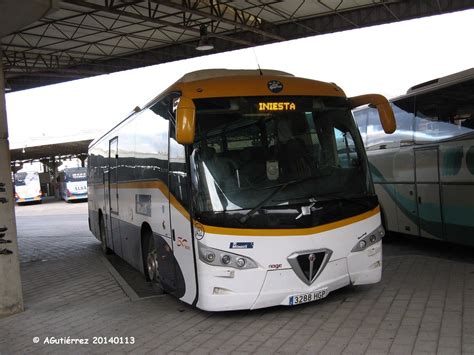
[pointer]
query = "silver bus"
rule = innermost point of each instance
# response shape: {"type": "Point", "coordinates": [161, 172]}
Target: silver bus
{"type": "Point", "coordinates": [424, 171]}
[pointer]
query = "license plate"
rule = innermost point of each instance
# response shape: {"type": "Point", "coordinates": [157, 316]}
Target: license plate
{"type": "Point", "coordinates": [308, 297]}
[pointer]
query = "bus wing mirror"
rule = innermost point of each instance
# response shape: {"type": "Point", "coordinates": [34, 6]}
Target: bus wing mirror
{"type": "Point", "coordinates": [387, 118]}
{"type": "Point", "coordinates": [185, 121]}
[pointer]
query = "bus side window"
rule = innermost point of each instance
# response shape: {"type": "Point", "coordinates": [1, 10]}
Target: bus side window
{"type": "Point", "coordinates": [443, 114]}
{"type": "Point", "coordinates": [178, 171]}
{"type": "Point", "coordinates": [403, 110]}
{"type": "Point", "coordinates": [151, 140]}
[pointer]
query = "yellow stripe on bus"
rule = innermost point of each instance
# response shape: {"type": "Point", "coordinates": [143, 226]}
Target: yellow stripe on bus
{"type": "Point", "coordinates": [160, 185]}
{"type": "Point", "coordinates": [291, 232]}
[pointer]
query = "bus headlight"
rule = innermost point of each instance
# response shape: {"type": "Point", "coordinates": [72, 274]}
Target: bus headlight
{"type": "Point", "coordinates": [371, 238]}
{"type": "Point", "coordinates": [240, 262]}
{"type": "Point", "coordinates": [217, 257]}
{"type": "Point", "coordinates": [210, 256]}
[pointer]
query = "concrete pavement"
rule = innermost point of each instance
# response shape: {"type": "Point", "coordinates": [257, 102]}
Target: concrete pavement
{"type": "Point", "coordinates": [424, 305]}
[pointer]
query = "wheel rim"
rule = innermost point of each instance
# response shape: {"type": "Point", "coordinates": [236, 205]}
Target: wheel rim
{"type": "Point", "coordinates": [152, 265]}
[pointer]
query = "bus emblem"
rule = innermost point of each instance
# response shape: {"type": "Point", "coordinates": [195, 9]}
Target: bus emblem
{"type": "Point", "coordinates": [198, 230]}
{"type": "Point", "coordinates": [309, 265]}
{"type": "Point", "coordinates": [275, 86]}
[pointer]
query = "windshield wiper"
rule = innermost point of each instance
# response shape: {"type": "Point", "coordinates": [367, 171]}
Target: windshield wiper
{"type": "Point", "coordinates": [279, 188]}
{"type": "Point", "coordinates": [264, 201]}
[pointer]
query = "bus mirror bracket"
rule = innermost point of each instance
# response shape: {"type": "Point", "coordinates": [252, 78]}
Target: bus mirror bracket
{"type": "Point", "coordinates": [185, 121]}
{"type": "Point", "coordinates": [387, 118]}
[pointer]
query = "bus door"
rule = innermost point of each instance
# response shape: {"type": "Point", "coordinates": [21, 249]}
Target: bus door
{"type": "Point", "coordinates": [112, 197]}
{"type": "Point", "coordinates": [181, 233]}
{"type": "Point", "coordinates": [430, 220]}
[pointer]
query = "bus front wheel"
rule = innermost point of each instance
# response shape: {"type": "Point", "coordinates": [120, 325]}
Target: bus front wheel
{"type": "Point", "coordinates": [152, 272]}
{"type": "Point", "coordinates": [152, 261]}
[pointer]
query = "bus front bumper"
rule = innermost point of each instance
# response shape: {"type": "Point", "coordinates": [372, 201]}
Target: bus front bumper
{"type": "Point", "coordinates": [226, 289]}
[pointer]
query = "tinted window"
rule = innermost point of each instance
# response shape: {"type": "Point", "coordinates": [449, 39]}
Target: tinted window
{"type": "Point", "coordinates": [126, 147]}
{"type": "Point", "coordinates": [178, 173]}
{"type": "Point", "coordinates": [151, 145]}
{"type": "Point", "coordinates": [275, 154]}
{"type": "Point", "coordinates": [403, 110]}
{"type": "Point", "coordinates": [445, 113]}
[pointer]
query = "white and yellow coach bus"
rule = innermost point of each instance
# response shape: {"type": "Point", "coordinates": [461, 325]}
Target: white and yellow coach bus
{"type": "Point", "coordinates": [241, 189]}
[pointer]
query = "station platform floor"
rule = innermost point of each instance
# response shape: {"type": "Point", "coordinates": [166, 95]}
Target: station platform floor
{"type": "Point", "coordinates": [72, 294]}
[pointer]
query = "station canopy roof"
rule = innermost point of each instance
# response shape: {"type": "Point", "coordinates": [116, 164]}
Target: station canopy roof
{"type": "Point", "coordinates": [50, 151]}
{"type": "Point", "coordinates": [84, 38]}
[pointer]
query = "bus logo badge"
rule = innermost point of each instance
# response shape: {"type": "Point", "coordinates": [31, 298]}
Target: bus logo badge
{"type": "Point", "coordinates": [275, 86]}
{"type": "Point", "coordinates": [309, 265]}
{"type": "Point", "coordinates": [198, 230]}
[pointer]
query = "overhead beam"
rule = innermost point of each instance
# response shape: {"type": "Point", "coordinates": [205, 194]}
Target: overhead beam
{"type": "Point", "coordinates": [194, 30]}
{"type": "Point", "coordinates": [381, 12]}
{"type": "Point", "coordinates": [241, 19]}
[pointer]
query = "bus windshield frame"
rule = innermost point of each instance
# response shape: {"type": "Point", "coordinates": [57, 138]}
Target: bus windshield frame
{"type": "Point", "coordinates": [278, 162]}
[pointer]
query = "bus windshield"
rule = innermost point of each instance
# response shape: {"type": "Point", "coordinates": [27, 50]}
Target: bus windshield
{"type": "Point", "coordinates": [257, 161]}
{"type": "Point", "coordinates": [75, 174]}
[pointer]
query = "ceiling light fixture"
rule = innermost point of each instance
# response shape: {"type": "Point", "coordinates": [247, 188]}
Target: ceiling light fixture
{"type": "Point", "coordinates": [204, 44]}
{"type": "Point", "coordinates": [7, 87]}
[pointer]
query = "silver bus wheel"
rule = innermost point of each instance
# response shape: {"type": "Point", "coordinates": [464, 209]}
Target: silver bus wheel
{"type": "Point", "coordinates": [152, 262]}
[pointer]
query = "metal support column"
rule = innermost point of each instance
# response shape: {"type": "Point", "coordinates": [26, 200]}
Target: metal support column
{"type": "Point", "coordinates": [11, 297]}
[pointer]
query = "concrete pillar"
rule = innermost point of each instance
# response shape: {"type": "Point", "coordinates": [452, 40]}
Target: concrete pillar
{"type": "Point", "coordinates": [17, 167]}
{"type": "Point", "coordinates": [82, 158]}
{"type": "Point", "coordinates": [52, 166]}
{"type": "Point", "coordinates": [11, 297]}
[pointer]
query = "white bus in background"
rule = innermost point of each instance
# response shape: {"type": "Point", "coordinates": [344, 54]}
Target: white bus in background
{"type": "Point", "coordinates": [241, 190]}
{"type": "Point", "coordinates": [73, 184]}
{"type": "Point", "coordinates": [424, 172]}
{"type": "Point", "coordinates": [27, 187]}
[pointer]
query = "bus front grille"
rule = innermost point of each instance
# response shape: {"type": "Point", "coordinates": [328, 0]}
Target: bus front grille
{"type": "Point", "coordinates": [309, 264]}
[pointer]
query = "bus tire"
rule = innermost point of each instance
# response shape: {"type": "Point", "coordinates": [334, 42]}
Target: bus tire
{"type": "Point", "coordinates": [151, 260]}
{"type": "Point", "coordinates": [103, 237]}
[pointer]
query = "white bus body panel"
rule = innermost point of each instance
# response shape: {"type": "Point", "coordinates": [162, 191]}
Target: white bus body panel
{"type": "Point", "coordinates": [161, 224]}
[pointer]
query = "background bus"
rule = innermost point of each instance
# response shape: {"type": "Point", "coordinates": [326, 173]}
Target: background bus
{"type": "Point", "coordinates": [424, 172]}
{"type": "Point", "coordinates": [241, 190]}
{"type": "Point", "coordinates": [73, 184]}
{"type": "Point", "coordinates": [27, 187]}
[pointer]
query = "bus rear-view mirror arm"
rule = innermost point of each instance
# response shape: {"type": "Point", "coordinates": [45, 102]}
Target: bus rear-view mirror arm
{"type": "Point", "coordinates": [386, 115]}
{"type": "Point", "coordinates": [185, 121]}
